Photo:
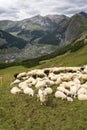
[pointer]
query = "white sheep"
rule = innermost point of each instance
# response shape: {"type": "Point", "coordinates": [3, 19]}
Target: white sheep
{"type": "Point", "coordinates": [25, 78]}
{"type": "Point", "coordinates": [59, 94]}
{"type": "Point", "coordinates": [82, 91]}
{"type": "Point", "coordinates": [76, 81]}
{"type": "Point", "coordinates": [31, 81]}
{"type": "Point", "coordinates": [66, 77]}
{"type": "Point", "coordinates": [20, 75]}
{"type": "Point", "coordinates": [42, 95]}
{"type": "Point", "coordinates": [77, 75]}
{"type": "Point", "coordinates": [82, 97]}
{"type": "Point", "coordinates": [53, 76]}
{"type": "Point", "coordinates": [84, 85]}
{"type": "Point", "coordinates": [64, 90]}
{"type": "Point", "coordinates": [17, 81]}
{"type": "Point", "coordinates": [65, 85]}
{"type": "Point", "coordinates": [58, 81]}
{"type": "Point", "coordinates": [69, 99]}
{"type": "Point", "coordinates": [40, 84]}
{"type": "Point", "coordinates": [74, 89]}
{"type": "Point", "coordinates": [15, 90]}
{"type": "Point", "coordinates": [37, 73]}
{"type": "Point", "coordinates": [23, 85]}
{"type": "Point", "coordinates": [84, 77]}
{"type": "Point", "coordinates": [48, 82]}
{"type": "Point", "coordinates": [40, 73]}
{"type": "Point", "coordinates": [54, 69]}
{"type": "Point", "coordinates": [29, 91]}
{"type": "Point", "coordinates": [48, 90]}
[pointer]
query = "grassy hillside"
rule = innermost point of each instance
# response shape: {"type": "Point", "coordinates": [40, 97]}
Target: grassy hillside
{"type": "Point", "coordinates": [21, 112]}
{"type": "Point", "coordinates": [8, 41]}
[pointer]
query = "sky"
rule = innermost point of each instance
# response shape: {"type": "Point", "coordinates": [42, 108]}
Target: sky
{"type": "Point", "coordinates": [22, 9]}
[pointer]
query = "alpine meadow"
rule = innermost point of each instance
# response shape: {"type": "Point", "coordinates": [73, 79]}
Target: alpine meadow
{"type": "Point", "coordinates": [43, 65]}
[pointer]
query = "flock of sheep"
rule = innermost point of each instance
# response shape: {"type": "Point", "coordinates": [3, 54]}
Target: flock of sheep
{"type": "Point", "coordinates": [70, 83]}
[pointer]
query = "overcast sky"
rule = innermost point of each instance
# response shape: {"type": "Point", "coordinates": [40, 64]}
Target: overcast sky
{"type": "Point", "coordinates": [21, 9]}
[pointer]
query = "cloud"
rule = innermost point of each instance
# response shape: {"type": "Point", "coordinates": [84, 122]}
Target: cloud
{"type": "Point", "coordinates": [21, 9]}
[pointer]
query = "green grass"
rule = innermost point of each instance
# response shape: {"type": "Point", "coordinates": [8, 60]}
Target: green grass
{"type": "Point", "coordinates": [21, 112]}
{"type": "Point", "coordinates": [34, 27]}
{"type": "Point", "coordinates": [78, 58]}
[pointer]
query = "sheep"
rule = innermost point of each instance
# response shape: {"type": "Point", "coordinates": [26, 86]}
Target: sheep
{"type": "Point", "coordinates": [77, 75]}
{"type": "Point", "coordinates": [43, 99]}
{"type": "Point", "coordinates": [84, 85]}
{"type": "Point", "coordinates": [57, 70]}
{"type": "Point", "coordinates": [65, 85]}
{"type": "Point", "coordinates": [42, 95]}
{"type": "Point", "coordinates": [71, 81]}
{"type": "Point", "coordinates": [54, 70]}
{"type": "Point", "coordinates": [82, 91]}
{"type": "Point", "coordinates": [23, 85]}
{"type": "Point", "coordinates": [37, 73]}
{"type": "Point", "coordinates": [82, 97]}
{"type": "Point", "coordinates": [76, 81]}
{"type": "Point", "coordinates": [84, 78]}
{"type": "Point", "coordinates": [29, 91]}
{"type": "Point", "coordinates": [25, 78]}
{"type": "Point", "coordinates": [52, 76]}
{"type": "Point", "coordinates": [69, 99]}
{"type": "Point", "coordinates": [48, 90]}
{"type": "Point", "coordinates": [66, 77]}
{"type": "Point", "coordinates": [15, 90]}
{"type": "Point", "coordinates": [48, 82]}
{"type": "Point", "coordinates": [59, 94]}
{"type": "Point", "coordinates": [31, 81]}
{"type": "Point", "coordinates": [39, 79]}
{"type": "Point", "coordinates": [74, 89]}
{"type": "Point", "coordinates": [62, 89]}
{"type": "Point", "coordinates": [20, 75]}
{"type": "Point", "coordinates": [58, 81]}
{"type": "Point", "coordinates": [40, 84]}
{"type": "Point", "coordinates": [40, 73]}
{"type": "Point", "coordinates": [17, 81]}
{"type": "Point", "coordinates": [75, 69]}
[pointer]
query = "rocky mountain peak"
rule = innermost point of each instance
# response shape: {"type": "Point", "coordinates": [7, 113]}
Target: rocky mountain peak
{"type": "Point", "coordinates": [83, 14]}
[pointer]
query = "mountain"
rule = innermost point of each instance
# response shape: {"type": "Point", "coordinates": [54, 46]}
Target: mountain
{"type": "Point", "coordinates": [24, 28]}
{"type": "Point", "coordinates": [67, 31]}
{"type": "Point", "coordinates": [77, 24]}
{"type": "Point", "coordinates": [36, 22]}
{"type": "Point", "coordinates": [40, 35]}
{"type": "Point", "coordinates": [83, 14]}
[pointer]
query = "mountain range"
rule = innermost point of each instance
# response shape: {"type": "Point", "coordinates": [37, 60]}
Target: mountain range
{"type": "Point", "coordinates": [37, 36]}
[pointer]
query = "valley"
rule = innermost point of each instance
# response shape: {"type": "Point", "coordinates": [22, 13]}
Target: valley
{"type": "Point", "coordinates": [38, 36]}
